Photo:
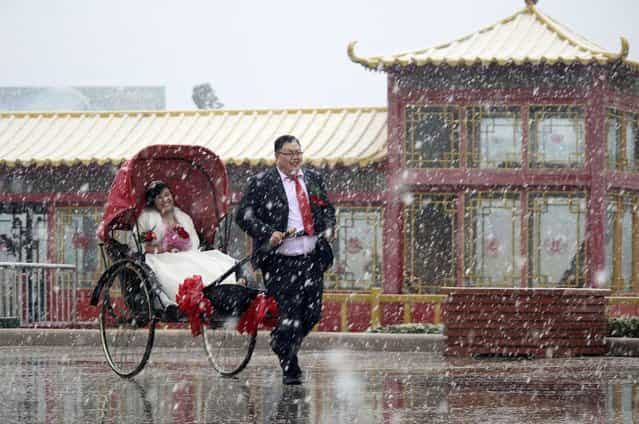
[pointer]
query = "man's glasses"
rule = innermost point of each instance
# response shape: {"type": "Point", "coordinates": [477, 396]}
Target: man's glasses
{"type": "Point", "coordinates": [291, 154]}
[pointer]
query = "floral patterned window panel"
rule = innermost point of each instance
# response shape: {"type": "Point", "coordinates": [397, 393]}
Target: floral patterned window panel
{"type": "Point", "coordinates": [632, 139]}
{"type": "Point", "coordinates": [432, 137]}
{"type": "Point", "coordinates": [557, 245]}
{"type": "Point", "coordinates": [621, 135]}
{"type": "Point", "coordinates": [494, 137]}
{"type": "Point", "coordinates": [358, 250]}
{"type": "Point", "coordinates": [238, 242]}
{"type": "Point", "coordinates": [76, 241]}
{"type": "Point", "coordinates": [429, 242]}
{"type": "Point", "coordinates": [613, 137]}
{"type": "Point", "coordinates": [627, 253]}
{"type": "Point", "coordinates": [612, 207]}
{"type": "Point", "coordinates": [557, 137]}
{"type": "Point", "coordinates": [239, 245]}
{"type": "Point", "coordinates": [492, 229]}
{"type": "Point", "coordinates": [620, 247]}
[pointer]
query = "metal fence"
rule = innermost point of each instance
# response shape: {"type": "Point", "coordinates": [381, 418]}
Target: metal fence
{"type": "Point", "coordinates": [35, 294]}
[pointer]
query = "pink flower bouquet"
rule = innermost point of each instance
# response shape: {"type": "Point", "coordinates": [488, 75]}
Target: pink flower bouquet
{"type": "Point", "coordinates": [177, 238]}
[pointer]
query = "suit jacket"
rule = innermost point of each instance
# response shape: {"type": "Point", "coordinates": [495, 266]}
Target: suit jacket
{"type": "Point", "coordinates": [264, 209]}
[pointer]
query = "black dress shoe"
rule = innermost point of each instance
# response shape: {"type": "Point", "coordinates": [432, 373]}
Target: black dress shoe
{"type": "Point", "coordinates": [292, 380]}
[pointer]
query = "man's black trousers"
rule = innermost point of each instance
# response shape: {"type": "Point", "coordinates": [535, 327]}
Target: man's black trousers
{"type": "Point", "coordinates": [296, 283]}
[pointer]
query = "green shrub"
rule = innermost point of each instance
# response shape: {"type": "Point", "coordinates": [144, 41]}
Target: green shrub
{"type": "Point", "coordinates": [623, 327]}
{"type": "Point", "coordinates": [617, 327]}
{"type": "Point", "coordinates": [410, 329]}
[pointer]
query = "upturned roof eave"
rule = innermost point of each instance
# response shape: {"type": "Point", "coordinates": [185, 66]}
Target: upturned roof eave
{"type": "Point", "coordinates": [597, 55]}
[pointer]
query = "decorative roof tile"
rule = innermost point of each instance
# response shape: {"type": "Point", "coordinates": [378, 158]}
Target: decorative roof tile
{"type": "Point", "coordinates": [329, 136]}
{"type": "Point", "coordinates": [528, 36]}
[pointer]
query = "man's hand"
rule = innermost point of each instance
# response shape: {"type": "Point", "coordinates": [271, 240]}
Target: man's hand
{"type": "Point", "coordinates": [330, 234]}
{"type": "Point", "coordinates": [277, 238]}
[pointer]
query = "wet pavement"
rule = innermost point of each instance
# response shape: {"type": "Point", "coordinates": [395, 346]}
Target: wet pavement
{"type": "Point", "coordinates": [42, 384]}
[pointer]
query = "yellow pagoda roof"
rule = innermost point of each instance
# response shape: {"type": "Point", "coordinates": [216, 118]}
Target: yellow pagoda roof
{"type": "Point", "coordinates": [527, 37]}
{"type": "Point", "coordinates": [346, 136]}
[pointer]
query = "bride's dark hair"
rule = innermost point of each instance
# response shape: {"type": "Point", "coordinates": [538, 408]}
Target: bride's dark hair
{"type": "Point", "coordinates": [153, 190]}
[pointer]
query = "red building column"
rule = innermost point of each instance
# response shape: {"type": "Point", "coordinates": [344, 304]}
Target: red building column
{"type": "Point", "coordinates": [393, 230]}
{"type": "Point", "coordinates": [596, 154]}
{"type": "Point", "coordinates": [392, 234]}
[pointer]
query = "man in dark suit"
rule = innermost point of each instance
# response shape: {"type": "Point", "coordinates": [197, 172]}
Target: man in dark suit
{"type": "Point", "coordinates": [279, 200]}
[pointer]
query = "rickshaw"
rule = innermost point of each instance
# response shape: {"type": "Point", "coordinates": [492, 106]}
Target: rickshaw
{"type": "Point", "coordinates": [127, 293]}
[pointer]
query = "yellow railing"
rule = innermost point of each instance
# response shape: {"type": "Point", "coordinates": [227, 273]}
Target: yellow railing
{"type": "Point", "coordinates": [623, 300]}
{"type": "Point", "coordinates": [375, 299]}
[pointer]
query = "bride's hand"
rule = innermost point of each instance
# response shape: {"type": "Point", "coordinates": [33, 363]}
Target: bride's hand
{"type": "Point", "coordinates": [155, 249]}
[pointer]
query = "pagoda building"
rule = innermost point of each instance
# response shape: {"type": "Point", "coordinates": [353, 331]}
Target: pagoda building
{"type": "Point", "coordinates": [512, 161]}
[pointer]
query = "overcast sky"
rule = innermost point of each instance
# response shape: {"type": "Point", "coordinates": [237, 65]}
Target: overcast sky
{"type": "Point", "coordinates": [258, 54]}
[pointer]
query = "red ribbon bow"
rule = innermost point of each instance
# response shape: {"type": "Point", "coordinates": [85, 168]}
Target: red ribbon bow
{"type": "Point", "coordinates": [193, 303]}
{"type": "Point", "coordinates": [261, 313]}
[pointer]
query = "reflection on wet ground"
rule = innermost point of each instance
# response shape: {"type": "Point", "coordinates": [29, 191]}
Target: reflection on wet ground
{"type": "Point", "coordinates": [55, 385]}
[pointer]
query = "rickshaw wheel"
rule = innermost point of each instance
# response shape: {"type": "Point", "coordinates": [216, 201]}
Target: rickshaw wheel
{"type": "Point", "coordinates": [127, 324]}
{"type": "Point", "coordinates": [228, 351]}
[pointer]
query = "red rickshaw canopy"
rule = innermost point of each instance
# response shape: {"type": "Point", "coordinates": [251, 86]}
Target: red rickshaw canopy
{"type": "Point", "coordinates": [196, 176]}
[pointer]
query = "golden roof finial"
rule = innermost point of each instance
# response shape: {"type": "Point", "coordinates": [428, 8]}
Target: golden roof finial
{"type": "Point", "coordinates": [530, 3]}
{"type": "Point", "coordinates": [625, 48]}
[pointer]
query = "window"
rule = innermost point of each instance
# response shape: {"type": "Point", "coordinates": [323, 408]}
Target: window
{"type": "Point", "coordinates": [557, 137]}
{"type": "Point", "coordinates": [432, 137]}
{"type": "Point", "coordinates": [429, 242]}
{"type": "Point", "coordinates": [358, 250]}
{"type": "Point", "coordinates": [494, 137]}
{"type": "Point", "coordinates": [621, 135]}
{"type": "Point", "coordinates": [611, 218]}
{"type": "Point", "coordinates": [492, 239]}
{"type": "Point", "coordinates": [631, 135]}
{"type": "Point", "coordinates": [557, 245]}
{"type": "Point", "coordinates": [620, 235]}
{"type": "Point", "coordinates": [76, 241]}
{"type": "Point", "coordinates": [613, 136]}
{"type": "Point", "coordinates": [23, 233]}
{"type": "Point", "coordinates": [238, 245]}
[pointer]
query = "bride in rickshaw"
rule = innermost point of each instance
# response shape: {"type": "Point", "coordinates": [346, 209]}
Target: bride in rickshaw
{"type": "Point", "coordinates": [161, 246]}
{"type": "Point", "coordinates": [168, 238]}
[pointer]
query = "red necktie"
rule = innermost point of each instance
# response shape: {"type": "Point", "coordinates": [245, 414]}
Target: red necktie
{"type": "Point", "coordinates": [305, 207]}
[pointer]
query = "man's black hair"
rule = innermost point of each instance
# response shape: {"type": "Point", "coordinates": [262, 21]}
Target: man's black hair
{"type": "Point", "coordinates": [283, 139]}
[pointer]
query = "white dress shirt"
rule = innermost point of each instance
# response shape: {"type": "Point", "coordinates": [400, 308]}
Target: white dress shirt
{"type": "Point", "coordinates": [298, 245]}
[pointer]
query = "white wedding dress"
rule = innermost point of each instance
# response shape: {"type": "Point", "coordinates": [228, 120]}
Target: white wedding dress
{"type": "Point", "coordinates": [172, 268]}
